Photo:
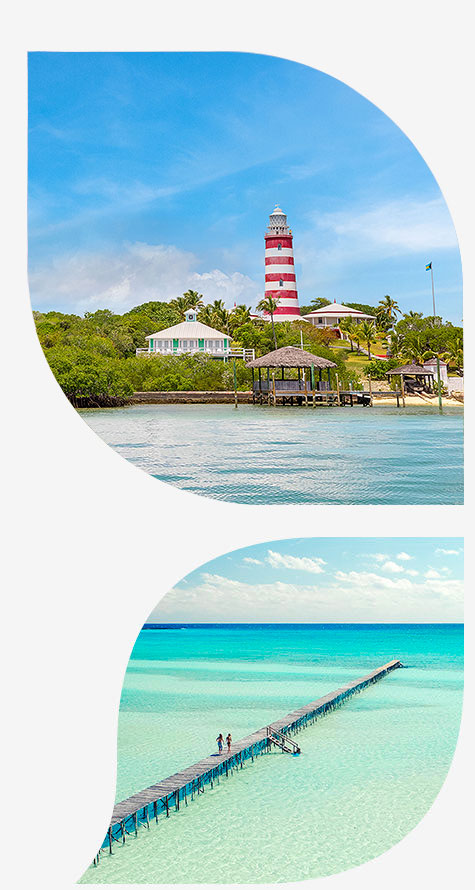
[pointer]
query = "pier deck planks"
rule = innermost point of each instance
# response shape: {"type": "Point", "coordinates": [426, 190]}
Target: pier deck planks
{"type": "Point", "coordinates": [168, 786]}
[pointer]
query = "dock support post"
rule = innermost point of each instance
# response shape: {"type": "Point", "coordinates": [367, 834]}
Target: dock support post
{"type": "Point", "coordinates": [135, 823]}
{"type": "Point", "coordinates": [273, 390]}
{"type": "Point", "coordinates": [370, 391]}
{"type": "Point", "coordinates": [166, 806]}
{"type": "Point", "coordinates": [338, 390]}
{"type": "Point", "coordinates": [122, 831]}
{"type": "Point", "coordinates": [110, 839]}
{"type": "Point", "coordinates": [155, 812]}
{"type": "Point", "coordinates": [403, 392]}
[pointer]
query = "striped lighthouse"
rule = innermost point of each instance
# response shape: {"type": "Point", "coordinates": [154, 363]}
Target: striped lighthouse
{"type": "Point", "coordinates": [280, 271]}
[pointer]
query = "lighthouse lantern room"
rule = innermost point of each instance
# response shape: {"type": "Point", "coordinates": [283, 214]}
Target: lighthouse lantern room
{"type": "Point", "coordinates": [280, 281]}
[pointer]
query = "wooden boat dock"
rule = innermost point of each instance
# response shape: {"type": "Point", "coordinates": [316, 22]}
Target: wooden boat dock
{"type": "Point", "coordinates": [293, 395]}
{"type": "Point", "coordinates": [180, 789]}
{"type": "Point", "coordinates": [294, 392]}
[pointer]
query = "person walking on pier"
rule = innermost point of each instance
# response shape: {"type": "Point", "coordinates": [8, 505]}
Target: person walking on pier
{"type": "Point", "coordinates": [228, 742]}
{"type": "Point", "coordinates": [220, 741]}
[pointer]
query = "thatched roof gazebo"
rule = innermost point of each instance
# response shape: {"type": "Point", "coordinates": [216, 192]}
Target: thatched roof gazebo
{"type": "Point", "coordinates": [289, 357]}
{"type": "Point", "coordinates": [414, 377]}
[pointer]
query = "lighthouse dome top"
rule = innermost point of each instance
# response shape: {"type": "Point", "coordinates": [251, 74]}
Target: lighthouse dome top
{"type": "Point", "coordinates": [277, 222]}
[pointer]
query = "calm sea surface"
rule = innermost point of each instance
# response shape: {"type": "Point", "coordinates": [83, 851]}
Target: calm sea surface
{"type": "Point", "coordinates": [264, 455]}
{"type": "Point", "coordinates": [367, 774]}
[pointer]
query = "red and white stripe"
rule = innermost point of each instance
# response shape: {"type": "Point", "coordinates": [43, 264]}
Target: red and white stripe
{"type": "Point", "coordinates": [280, 281]}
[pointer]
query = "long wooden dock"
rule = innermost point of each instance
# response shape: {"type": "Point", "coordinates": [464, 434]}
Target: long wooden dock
{"type": "Point", "coordinates": [180, 789]}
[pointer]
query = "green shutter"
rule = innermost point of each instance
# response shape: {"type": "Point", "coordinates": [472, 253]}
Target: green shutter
{"type": "Point", "coordinates": [201, 344]}
{"type": "Point", "coordinates": [151, 345]}
{"type": "Point", "coordinates": [175, 344]}
{"type": "Point", "coordinates": [225, 343]}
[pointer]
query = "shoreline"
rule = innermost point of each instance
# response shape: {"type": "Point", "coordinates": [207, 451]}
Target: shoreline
{"type": "Point", "coordinates": [418, 402]}
{"type": "Point", "coordinates": [197, 397]}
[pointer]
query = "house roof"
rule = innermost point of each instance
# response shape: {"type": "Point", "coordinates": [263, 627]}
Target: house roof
{"type": "Point", "coordinates": [433, 361]}
{"type": "Point", "coordinates": [188, 330]}
{"type": "Point", "coordinates": [337, 309]}
{"type": "Point", "coordinates": [412, 369]}
{"type": "Point", "coordinates": [290, 357]}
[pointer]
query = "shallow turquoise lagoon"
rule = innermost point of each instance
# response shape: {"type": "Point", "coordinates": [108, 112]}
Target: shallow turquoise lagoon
{"type": "Point", "coordinates": [367, 773]}
{"type": "Point", "coordinates": [263, 455]}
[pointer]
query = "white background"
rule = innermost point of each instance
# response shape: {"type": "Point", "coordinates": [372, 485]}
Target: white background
{"type": "Point", "coordinates": [90, 541]}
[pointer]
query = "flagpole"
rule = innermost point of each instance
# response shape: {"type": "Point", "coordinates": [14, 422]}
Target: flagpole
{"type": "Point", "coordinates": [437, 356]}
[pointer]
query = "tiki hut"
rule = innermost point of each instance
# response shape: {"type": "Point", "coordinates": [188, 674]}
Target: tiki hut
{"type": "Point", "coordinates": [309, 373]}
{"type": "Point", "coordinates": [414, 377]}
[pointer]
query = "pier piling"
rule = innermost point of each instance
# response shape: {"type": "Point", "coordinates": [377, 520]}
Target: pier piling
{"type": "Point", "coordinates": [194, 778]}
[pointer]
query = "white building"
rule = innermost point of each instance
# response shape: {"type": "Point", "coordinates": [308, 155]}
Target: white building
{"type": "Point", "coordinates": [188, 337]}
{"type": "Point", "coordinates": [330, 316]}
{"type": "Point", "coordinates": [431, 365]}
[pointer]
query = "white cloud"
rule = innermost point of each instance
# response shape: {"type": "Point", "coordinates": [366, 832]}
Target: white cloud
{"type": "Point", "coordinates": [354, 596]}
{"type": "Point", "coordinates": [338, 241]}
{"type": "Point", "coordinates": [371, 580]}
{"type": "Point", "coordinates": [296, 563]}
{"type": "Point", "coordinates": [138, 272]}
{"type": "Point", "coordinates": [431, 573]}
{"type": "Point", "coordinates": [412, 572]}
{"type": "Point", "coordinates": [251, 561]}
{"type": "Point", "coordinates": [449, 552]}
{"type": "Point", "coordinates": [392, 567]}
{"type": "Point", "coordinates": [403, 556]}
{"type": "Point", "coordinates": [408, 225]}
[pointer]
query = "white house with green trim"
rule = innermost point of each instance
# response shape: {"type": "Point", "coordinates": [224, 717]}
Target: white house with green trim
{"type": "Point", "coordinates": [188, 337]}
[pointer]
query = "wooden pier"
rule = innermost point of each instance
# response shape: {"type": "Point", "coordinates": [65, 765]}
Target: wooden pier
{"type": "Point", "coordinates": [303, 395]}
{"type": "Point", "coordinates": [181, 788]}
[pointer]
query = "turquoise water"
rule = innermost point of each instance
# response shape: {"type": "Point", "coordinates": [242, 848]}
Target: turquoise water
{"type": "Point", "coordinates": [367, 773]}
{"type": "Point", "coordinates": [264, 455]}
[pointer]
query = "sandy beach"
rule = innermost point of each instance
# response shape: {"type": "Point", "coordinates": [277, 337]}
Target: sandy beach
{"type": "Point", "coordinates": [447, 402]}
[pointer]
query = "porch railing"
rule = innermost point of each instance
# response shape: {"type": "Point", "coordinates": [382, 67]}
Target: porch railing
{"type": "Point", "coordinates": [246, 355]}
{"type": "Point", "coordinates": [290, 386]}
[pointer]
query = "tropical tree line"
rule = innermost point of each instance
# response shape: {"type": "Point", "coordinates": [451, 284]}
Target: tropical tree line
{"type": "Point", "coordinates": [93, 357]}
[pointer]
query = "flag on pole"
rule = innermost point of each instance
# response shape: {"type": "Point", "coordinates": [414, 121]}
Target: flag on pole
{"type": "Point", "coordinates": [429, 266]}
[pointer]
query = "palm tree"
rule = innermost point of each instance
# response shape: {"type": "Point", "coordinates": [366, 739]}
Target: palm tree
{"type": "Point", "coordinates": [205, 315]}
{"type": "Point", "coordinates": [393, 343]}
{"type": "Point", "coordinates": [356, 335]}
{"type": "Point", "coordinates": [195, 299]}
{"type": "Point", "coordinates": [348, 326]}
{"type": "Point", "coordinates": [190, 300]}
{"type": "Point", "coordinates": [368, 334]}
{"type": "Point", "coordinates": [454, 353]}
{"type": "Point", "coordinates": [414, 347]}
{"type": "Point", "coordinates": [239, 315]}
{"type": "Point", "coordinates": [269, 304]}
{"type": "Point", "coordinates": [220, 314]}
{"type": "Point", "coordinates": [412, 317]}
{"type": "Point", "coordinates": [319, 303]}
{"type": "Point", "coordinates": [387, 310]}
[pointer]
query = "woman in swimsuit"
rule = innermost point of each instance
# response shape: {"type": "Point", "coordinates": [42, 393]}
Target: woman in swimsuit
{"type": "Point", "coordinates": [220, 741]}
{"type": "Point", "coordinates": [228, 741]}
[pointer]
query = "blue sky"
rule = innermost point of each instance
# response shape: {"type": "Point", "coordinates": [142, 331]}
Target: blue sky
{"type": "Point", "coordinates": [325, 580]}
{"type": "Point", "coordinates": [153, 172]}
